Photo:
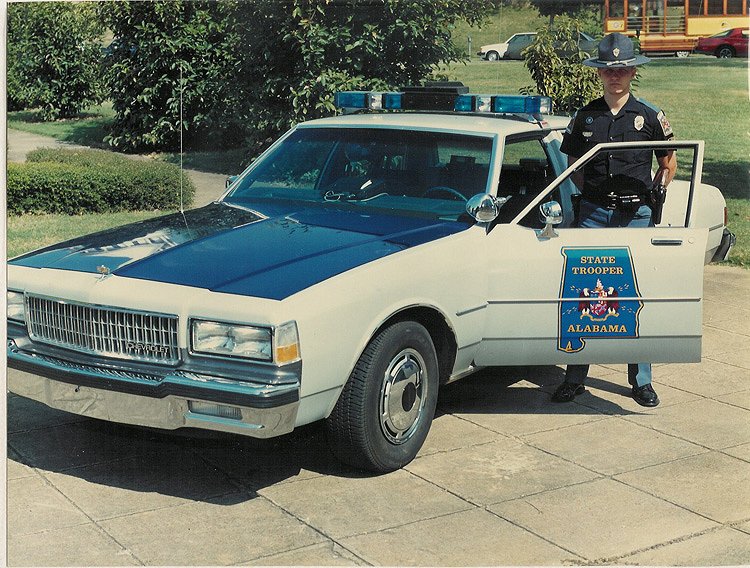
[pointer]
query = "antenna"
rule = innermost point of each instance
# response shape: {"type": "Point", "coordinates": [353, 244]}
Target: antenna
{"type": "Point", "coordinates": [182, 172]}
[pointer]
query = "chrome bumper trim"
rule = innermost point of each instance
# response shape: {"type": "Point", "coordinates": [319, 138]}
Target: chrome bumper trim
{"type": "Point", "coordinates": [158, 402]}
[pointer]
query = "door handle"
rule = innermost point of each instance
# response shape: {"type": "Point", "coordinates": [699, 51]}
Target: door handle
{"type": "Point", "coordinates": [666, 242]}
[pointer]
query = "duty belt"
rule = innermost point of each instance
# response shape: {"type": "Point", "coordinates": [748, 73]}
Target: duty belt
{"type": "Point", "coordinates": [619, 201]}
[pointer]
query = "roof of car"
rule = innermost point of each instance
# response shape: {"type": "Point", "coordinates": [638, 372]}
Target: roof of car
{"type": "Point", "coordinates": [465, 123]}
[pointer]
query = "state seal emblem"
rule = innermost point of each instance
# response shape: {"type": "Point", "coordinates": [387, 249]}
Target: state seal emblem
{"type": "Point", "coordinates": [599, 297]}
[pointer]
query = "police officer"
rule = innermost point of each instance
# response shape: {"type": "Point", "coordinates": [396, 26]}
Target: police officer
{"type": "Point", "coordinates": [616, 186]}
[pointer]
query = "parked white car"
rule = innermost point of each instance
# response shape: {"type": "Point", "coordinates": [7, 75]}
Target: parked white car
{"type": "Point", "coordinates": [358, 264]}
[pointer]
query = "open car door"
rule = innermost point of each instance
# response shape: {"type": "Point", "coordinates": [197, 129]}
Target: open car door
{"type": "Point", "coordinates": [575, 296]}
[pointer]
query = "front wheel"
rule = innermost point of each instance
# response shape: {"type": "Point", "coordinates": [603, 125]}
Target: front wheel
{"type": "Point", "coordinates": [493, 56]}
{"type": "Point", "coordinates": [682, 54]}
{"type": "Point", "coordinates": [386, 407]}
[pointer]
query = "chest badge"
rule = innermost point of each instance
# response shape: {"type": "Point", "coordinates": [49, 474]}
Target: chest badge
{"type": "Point", "coordinates": [589, 120]}
{"type": "Point", "coordinates": [638, 122]}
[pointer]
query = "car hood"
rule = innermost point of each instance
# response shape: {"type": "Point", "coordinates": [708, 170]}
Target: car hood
{"type": "Point", "coordinates": [268, 253]}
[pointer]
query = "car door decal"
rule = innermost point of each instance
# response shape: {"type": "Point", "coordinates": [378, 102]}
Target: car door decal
{"type": "Point", "coordinates": [599, 296]}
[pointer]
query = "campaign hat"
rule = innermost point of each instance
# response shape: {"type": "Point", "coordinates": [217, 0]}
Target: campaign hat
{"type": "Point", "coordinates": [616, 50]}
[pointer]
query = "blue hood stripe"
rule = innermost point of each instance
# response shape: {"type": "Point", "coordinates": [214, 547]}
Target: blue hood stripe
{"type": "Point", "coordinates": [225, 250]}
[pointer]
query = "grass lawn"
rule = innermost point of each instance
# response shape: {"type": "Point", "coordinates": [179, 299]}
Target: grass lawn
{"type": "Point", "coordinates": [88, 130]}
{"type": "Point", "coordinates": [704, 98]}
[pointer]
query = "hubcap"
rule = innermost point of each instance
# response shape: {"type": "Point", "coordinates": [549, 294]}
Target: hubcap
{"type": "Point", "coordinates": [402, 396]}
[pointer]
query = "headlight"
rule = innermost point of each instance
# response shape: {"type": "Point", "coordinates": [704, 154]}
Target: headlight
{"type": "Point", "coordinates": [280, 344]}
{"type": "Point", "coordinates": [16, 306]}
{"type": "Point", "coordinates": [232, 340]}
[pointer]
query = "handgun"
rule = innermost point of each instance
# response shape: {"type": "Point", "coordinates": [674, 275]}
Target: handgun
{"type": "Point", "coordinates": [657, 196]}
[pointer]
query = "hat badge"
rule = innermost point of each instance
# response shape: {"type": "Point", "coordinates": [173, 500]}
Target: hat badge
{"type": "Point", "coordinates": [616, 51]}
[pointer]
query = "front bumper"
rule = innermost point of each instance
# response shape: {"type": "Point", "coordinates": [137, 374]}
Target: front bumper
{"type": "Point", "coordinates": [173, 400]}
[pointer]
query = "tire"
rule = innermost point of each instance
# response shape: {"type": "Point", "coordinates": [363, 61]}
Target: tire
{"type": "Point", "coordinates": [385, 410]}
{"type": "Point", "coordinates": [725, 52]}
{"type": "Point", "coordinates": [682, 54]}
{"type": "Point", "coordinates": [493, 56]}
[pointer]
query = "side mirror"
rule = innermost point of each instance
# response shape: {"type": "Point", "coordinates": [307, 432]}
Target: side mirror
{"type": "Point", "coordinates": [551, 214]}
{"type": "Point", "coordinates": [229, 181]}
{"type": "Point", "coordinates": [485, 208]}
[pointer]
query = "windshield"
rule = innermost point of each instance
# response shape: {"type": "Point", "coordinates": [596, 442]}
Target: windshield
{"type": "Point", "coordinates": [430, 174]}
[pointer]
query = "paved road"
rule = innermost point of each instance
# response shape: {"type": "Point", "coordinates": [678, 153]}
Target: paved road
{"type": "Point", "coordinates": [505, 477]}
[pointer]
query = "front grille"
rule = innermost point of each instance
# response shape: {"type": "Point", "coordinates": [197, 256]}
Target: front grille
{"type": "Point", "coordinates": [111, 332]}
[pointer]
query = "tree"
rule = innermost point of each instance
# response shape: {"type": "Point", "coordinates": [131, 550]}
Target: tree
{"type": "Point", "coordinates": [570, 8]}
{"type": "Point", "coordinates": [172, 65]}
{"type": "Point", "coordinates": [53, 54]}
{"type": "Point", "coordinates": [555, 63]}
{"type": "Point", "coordinates": [258, 67]}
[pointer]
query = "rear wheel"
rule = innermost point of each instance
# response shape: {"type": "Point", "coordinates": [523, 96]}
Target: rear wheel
{"type": "Point", "coordinates": [725, 52]}
{"type": "Point", "coordinates": [682, 54]}
{"type": "Point", "coordinates": [386, 408]}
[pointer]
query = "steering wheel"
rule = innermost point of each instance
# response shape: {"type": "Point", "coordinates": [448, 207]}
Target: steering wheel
{"type": "Point", "coordinates": [454, 193]}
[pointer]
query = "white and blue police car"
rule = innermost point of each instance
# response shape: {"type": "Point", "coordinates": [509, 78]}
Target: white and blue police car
{"type": "Point", "coordinates": [360, 263]}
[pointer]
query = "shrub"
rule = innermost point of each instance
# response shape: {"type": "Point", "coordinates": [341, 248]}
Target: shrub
{"type": "Point", "coordinates": [556, 66]}
{"type": "Point", "coordinates": [93, 181]}
{"type": "Point", "coordinates": [53, 58]}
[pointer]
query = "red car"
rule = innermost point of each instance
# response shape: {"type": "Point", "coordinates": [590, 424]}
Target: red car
{"type": "Point", "coordinates": [729, 43]}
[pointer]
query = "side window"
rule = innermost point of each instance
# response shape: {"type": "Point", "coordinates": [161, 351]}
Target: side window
{"type": "Point", "coordinates": [524, 173]}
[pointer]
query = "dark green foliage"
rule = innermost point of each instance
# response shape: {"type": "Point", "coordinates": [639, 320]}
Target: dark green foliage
{"type": "Point", "coordinates": [571, 8]}
{"type": "Point", "coordinates": [157, 42]}
{"type": "Point", "coordinates": [251, 69]}
{"type": "Point", "coordinates": [92, 181]}
{"type": "Point", "coordinates": [555, 64]}
{"type": "Point", "coordinates": [53, 57]}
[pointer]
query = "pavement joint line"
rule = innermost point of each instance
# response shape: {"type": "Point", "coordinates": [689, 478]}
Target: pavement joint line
{"type": "Point", "coordinates": [334, 544]}
{"type": "Point", "coordinates": [733, 332]}
{"type": "Point", "coordinates": [724, 451]}
{"type": "Point", "coordinates": [530, 531]}
{"type": "Point", "coordinates": [611, 476]}
{"type": "Point", "coordinates": [702, 399]}
{"type": "Point", "coordinates": [517, 437]}
{"type": "Point", "coordinates": [91, 520]}
{"type": "Point", "coordinates": [613, 559]}
{"type": "Point", "coordinates": [683, 507]}
{"type": "Point", "coordinates": [317, 530]}
{"type": "Point", "coordinates": [732, 405]}
{"type": "Point", "coordinates": [736, 526]}
{"type": "Point", "coordinates": [711, 358]}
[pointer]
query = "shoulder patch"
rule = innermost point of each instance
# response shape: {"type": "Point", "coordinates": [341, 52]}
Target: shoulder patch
{"type": "Point", "coordinates": [665, 126]}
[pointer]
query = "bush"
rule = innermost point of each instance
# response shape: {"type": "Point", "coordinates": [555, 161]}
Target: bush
{"type": "Point", "coordinates": [556, 66]}
{"type": "Point", "coordinates": [93, 181]}
{"type": "Point", "coordinates": [53, 58]}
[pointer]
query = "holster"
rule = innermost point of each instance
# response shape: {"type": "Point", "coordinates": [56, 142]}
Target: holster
{"type": "Point", "coordinates": [575, 201]}
{"type": "Point", "coordinates": [657, 197]}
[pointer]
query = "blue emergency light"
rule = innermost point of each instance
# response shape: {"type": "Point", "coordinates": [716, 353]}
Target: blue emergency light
{"type": "Point", "coordinates": [443, 99]}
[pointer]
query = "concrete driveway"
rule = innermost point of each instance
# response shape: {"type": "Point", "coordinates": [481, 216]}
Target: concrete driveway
{"type": "Point", "coordinates": [505, 477]}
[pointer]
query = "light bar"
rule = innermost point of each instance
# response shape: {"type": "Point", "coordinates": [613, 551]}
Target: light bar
{"type": "Point", "coordinates": [497, 104]}
{"type": "Point", "coordinates": [368, 100]}
{"type": "Point", "coordinates": [531, 104]}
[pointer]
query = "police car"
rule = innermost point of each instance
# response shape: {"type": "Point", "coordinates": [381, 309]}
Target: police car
{"type": "Point", "coordinates": [360, 263]}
